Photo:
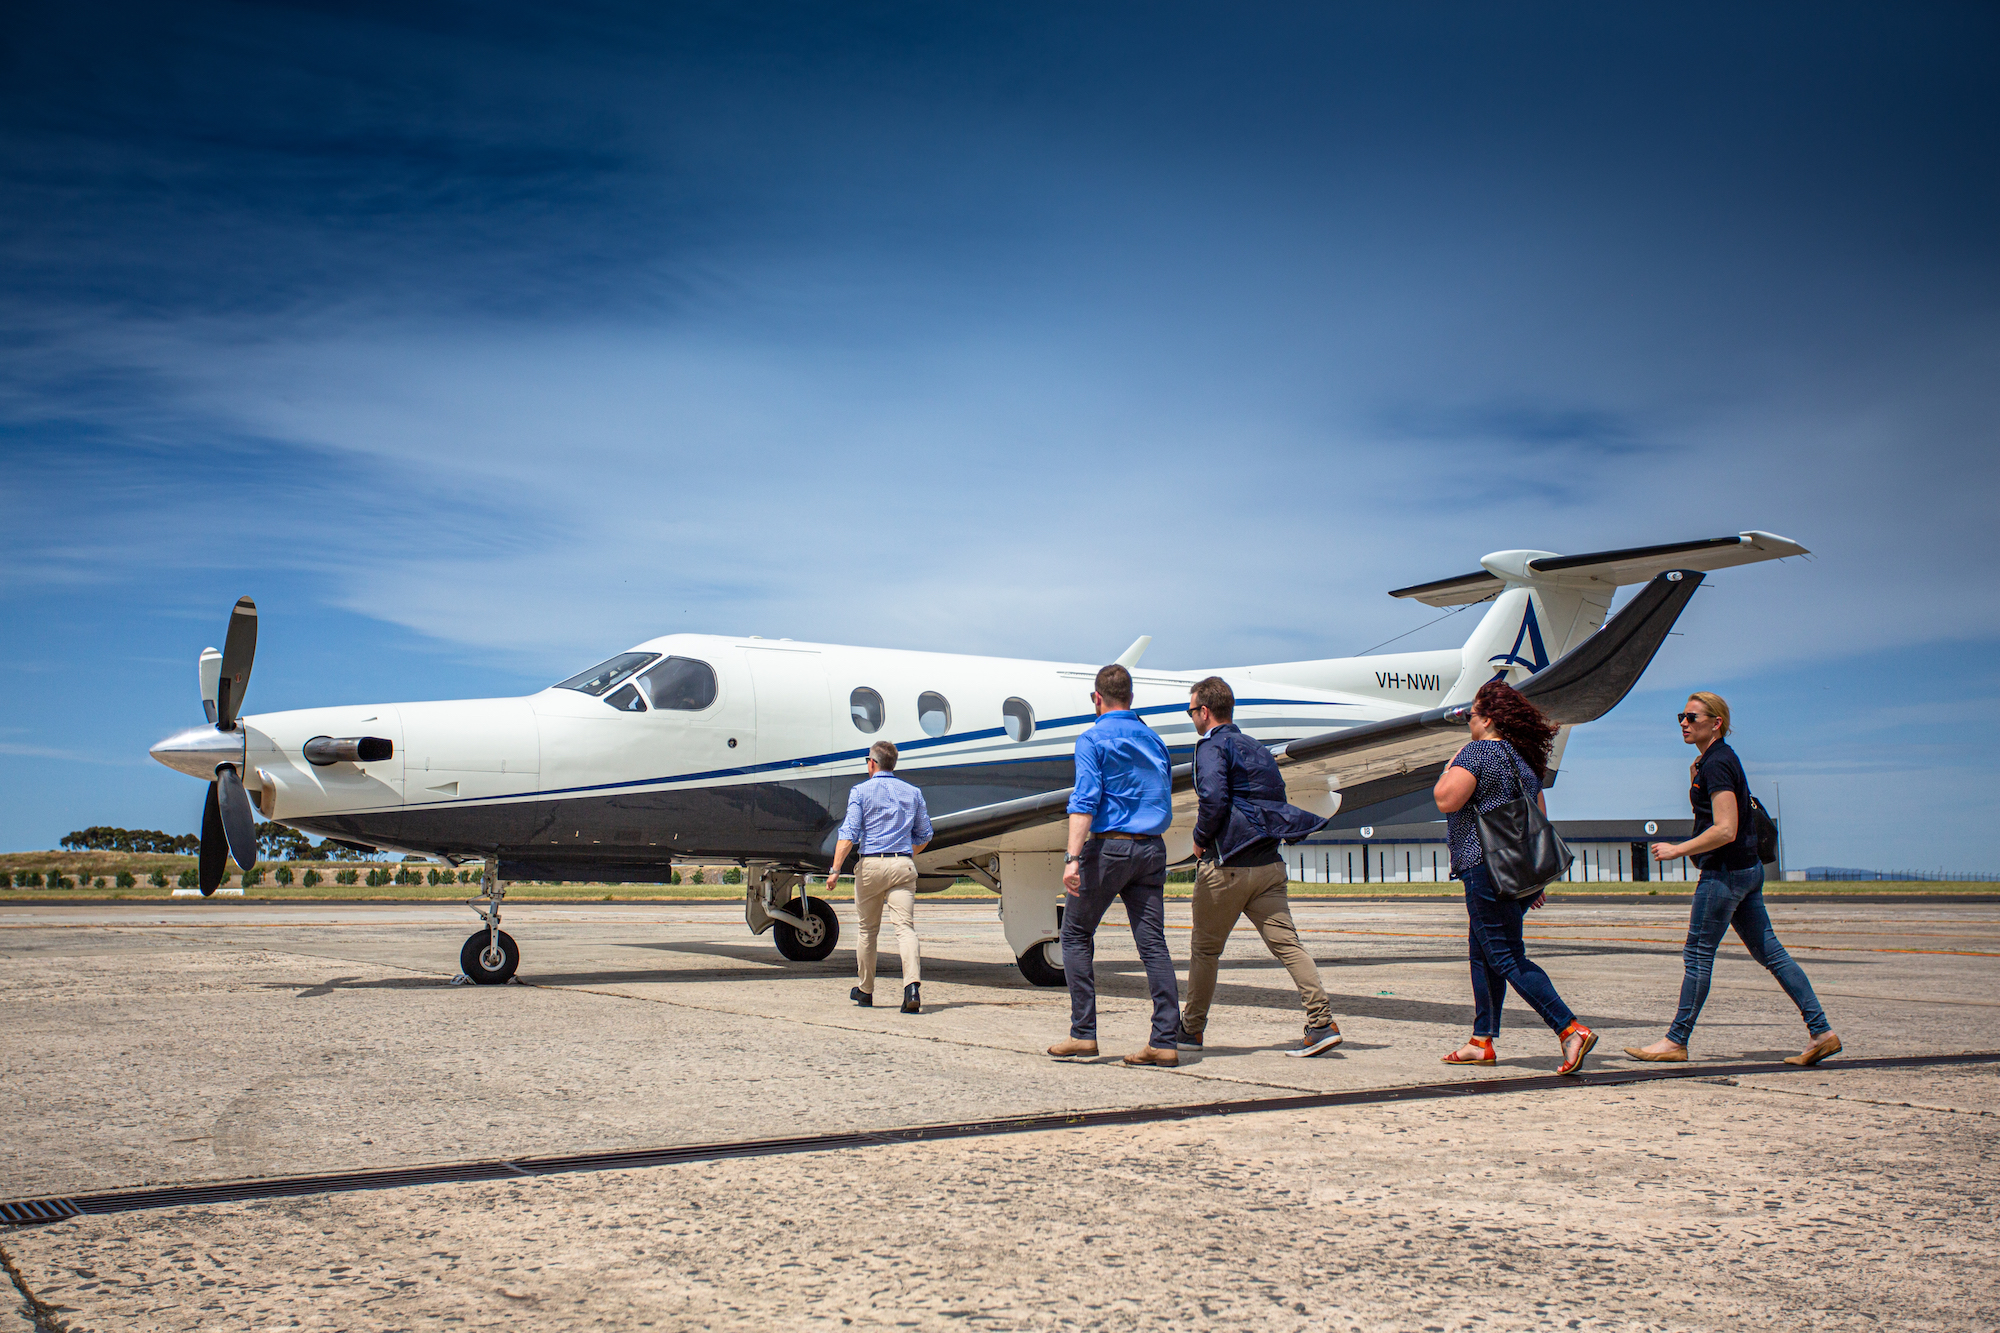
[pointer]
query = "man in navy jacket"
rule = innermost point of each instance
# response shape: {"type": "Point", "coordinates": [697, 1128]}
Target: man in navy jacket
{"type": "Point", "coordinates": [1239, 871]}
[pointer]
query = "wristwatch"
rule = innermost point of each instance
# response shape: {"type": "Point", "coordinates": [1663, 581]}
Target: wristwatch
{"type": "Point", "coordinates": [1074, 857]}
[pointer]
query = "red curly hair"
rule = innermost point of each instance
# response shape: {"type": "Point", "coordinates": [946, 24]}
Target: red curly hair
{"type": "Point", "coordinates": [1519, 723]}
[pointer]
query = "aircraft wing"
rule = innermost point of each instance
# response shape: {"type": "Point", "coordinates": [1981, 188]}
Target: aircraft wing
{"type": "Point", "coordinates": [1376, 761]}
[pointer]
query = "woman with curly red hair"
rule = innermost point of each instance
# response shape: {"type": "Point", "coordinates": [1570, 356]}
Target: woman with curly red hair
{"type": "Point", "coordinates": [1506, 757]}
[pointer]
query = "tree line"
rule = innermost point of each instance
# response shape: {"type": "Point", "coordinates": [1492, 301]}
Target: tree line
{"type": "Point", "coordinates": [273, 840]}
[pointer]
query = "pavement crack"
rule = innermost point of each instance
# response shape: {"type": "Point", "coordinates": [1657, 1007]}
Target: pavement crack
{"type": "Point", "coordinates": [44, 1314]}
{"type": "Point", "coordinates": [1843, 1097]}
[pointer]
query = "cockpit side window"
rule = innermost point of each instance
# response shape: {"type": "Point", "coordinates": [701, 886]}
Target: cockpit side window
{"type": "Point", "coordinates": [680, 683]}
{"type": "Point", "coordinates": [626, 700]}
{"type": "Point", "coordinates": [607, 674]}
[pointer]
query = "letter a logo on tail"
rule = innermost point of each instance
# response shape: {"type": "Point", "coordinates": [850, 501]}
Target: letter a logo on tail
{"type": "Point", "coordinates": [1530, 637]}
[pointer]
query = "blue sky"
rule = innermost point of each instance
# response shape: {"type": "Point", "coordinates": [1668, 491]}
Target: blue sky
{"type": "Point", "coordinates": [478, 342]}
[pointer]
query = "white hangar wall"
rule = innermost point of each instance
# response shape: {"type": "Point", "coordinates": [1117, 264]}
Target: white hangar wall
{"type": "Point", "coordinates": [1607, 851]}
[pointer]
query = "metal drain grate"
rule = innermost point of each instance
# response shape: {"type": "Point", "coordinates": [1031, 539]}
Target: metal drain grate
{"type": "Point", "coordinates": [37, 1211]}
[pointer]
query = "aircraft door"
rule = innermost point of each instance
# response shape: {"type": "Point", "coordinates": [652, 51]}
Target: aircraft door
{"type": "Point", "coordinates": [794, 728]}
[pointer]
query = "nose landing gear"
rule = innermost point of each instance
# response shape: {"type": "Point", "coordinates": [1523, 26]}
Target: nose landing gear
{"type": "Point", "coordinates": [490, 955]}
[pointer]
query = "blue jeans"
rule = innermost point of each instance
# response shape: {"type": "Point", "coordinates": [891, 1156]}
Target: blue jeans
{"type": "Point", "coordinates": [1135, 871]}
{"type": "Point", "coordinates": [1726, 898]}
{"type": "Point", "coordinates": [1500, 959]}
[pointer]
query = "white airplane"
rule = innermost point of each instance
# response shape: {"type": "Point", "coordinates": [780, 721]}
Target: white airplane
{"type": "Point", "coordinates": [717, 748]}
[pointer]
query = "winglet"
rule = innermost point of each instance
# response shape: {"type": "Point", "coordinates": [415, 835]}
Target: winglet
{"type": "Point", "coordinates": [1130, 657]}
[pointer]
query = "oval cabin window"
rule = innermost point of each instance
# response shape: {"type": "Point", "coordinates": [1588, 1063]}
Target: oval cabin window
{"type": "Point", "coordinates": [933, 713]}
{"type": "Point", "coordinates": [865, 707]}
{"type": "Point", "coordinates": [1019, 718]}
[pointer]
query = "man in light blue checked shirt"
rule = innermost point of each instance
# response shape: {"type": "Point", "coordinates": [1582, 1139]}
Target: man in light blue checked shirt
{"type": "Point", "coordinates": [887, 821]}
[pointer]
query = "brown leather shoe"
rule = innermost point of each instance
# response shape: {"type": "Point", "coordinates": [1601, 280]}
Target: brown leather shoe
{"type": "Point", "coordinates": [1154, 1056]}
{"type": "Point", "coordinates": [1073, 1048]}
{"type": "Point", "coordinates": [1673, 1056]}
{"type": "Point", "coordinates": [1825, 1044]}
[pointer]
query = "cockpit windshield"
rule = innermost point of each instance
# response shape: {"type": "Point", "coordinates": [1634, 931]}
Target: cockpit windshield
{"type": "Point", "coordinates": [607, 674]}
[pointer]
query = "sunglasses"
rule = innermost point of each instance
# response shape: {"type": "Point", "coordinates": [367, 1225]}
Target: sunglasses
{"type": "Point", "coordinates": [1690, 717]}
{"type": "Point", "coordinates": [1195, 708]}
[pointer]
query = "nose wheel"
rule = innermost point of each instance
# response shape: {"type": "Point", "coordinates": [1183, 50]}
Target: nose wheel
{"type": "Point", "coordinates": [489, 958]}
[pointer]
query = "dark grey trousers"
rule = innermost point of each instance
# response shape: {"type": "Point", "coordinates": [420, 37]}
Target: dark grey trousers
{"type": "Point", "coordinates": [1136, 872]}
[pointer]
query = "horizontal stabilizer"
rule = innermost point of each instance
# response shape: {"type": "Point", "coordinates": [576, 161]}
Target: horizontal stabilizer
{"type": "Point", "coordinates": [1611, 568]}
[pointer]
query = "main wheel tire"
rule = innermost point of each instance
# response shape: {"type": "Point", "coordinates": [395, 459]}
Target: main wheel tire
{"type": "Point", "coordinates": [1042, 964]}
{"type": "Point", "coordinates": [816, 941]}
{"type": "Point", "coordinates": [473, 962]}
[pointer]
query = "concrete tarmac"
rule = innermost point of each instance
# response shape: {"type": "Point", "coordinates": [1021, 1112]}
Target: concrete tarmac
{"type": "Point", "coordinates": [169, 1043]}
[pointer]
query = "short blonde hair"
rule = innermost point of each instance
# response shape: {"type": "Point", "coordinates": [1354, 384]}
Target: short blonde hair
{"type": "Point", "coordinates": [1715, 704]}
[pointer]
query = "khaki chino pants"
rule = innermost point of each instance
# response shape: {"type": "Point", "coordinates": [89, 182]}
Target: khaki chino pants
{"type": "Point", "coordinates": [890, 881]}
{"type": "Point", "coordinates": [1221, 895]}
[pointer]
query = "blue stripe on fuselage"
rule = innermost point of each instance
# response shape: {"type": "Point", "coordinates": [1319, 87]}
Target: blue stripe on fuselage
{"type": "Point", "coordinates": [813, 761]}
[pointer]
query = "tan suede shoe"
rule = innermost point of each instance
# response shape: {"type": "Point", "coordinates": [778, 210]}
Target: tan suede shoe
{"type": "Point", "coordinates": [1154, 1056]}
{"type": "Point", "coordinates": [1071, 1048]}
{"type": "Point", "coordinates": [1677, 1054]}
{"type": "Point", "coordinates": [1822, 1046]}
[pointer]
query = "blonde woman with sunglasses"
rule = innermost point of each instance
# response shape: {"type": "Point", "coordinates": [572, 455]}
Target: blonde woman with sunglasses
{"type": "Point", "coordinates": [1731, 891]}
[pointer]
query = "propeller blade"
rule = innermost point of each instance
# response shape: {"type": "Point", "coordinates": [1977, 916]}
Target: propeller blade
{"type": "Point", "coordinates": [209, 671]}
{"type": "Point", "coordinates": [214, 844]}
{"type": "Point", "coordinates": [239, 824]}
{"type": "Point", "coordinates": [239, 650]}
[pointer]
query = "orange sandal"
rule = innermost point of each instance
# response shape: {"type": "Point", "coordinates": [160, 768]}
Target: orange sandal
{"type": "Point", "coordinates": [1571, 1064]}
{"type": "Point", "coordinates": [1483, 1043]}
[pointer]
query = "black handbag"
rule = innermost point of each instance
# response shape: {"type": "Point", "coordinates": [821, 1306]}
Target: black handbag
{"type": "Point", "coordinates": [1767, 832]}
{"type": "Point", "coordinates": [1523, 851]}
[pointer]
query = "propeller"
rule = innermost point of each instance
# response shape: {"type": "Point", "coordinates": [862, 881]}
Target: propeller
{"type": "Point", "coordinates": [228, 826]}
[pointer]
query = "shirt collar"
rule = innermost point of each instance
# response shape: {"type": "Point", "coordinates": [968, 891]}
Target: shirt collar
{"type": "Point", "coordinates": [1107, 715]}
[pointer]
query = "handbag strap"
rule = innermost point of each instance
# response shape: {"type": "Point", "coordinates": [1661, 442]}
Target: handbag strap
{"type": "Point", "coordinates": [1514, 762]}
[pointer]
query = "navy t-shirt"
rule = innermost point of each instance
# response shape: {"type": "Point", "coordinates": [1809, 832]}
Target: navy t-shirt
{"type": "Point", "coordinates": [1719, 770]}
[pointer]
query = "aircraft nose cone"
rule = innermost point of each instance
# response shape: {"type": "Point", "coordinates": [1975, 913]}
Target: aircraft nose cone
{"type": "Point", "coordinates": [198, 750]}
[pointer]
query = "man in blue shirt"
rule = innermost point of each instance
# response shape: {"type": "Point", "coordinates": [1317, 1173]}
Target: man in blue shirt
{"type": "Point", "coordinates": [1117, 811]}
{"type": "Point", "coordinates": [887, 820]}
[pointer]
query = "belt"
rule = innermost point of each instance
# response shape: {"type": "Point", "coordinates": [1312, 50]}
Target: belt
{"type": "Point", "coordinates": [1128, 837]}
{"type": "Point", "coordinates": [878, 856]}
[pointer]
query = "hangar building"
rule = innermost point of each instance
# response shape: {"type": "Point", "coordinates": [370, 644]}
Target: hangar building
{"type": "Point", "coordinates": [1607, 850]}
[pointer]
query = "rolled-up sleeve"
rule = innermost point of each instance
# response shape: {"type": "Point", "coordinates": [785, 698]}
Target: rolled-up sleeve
{"type": "Point", "coordinates": [920, 831]}
{"type": "Point", "coordinates": [1089, 789]}
{"type": "Point", "coordinates": [850, 827]}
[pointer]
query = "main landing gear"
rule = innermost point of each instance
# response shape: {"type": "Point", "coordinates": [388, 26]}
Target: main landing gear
{"type": "Point", "coordinates": [490, 955]}
{"type": "Point", "coordinates": [1042, 964]}
{"type": "Point", "coordinates": [1031, 895]}
{"type": "Point", "coordinates": [805, 928]}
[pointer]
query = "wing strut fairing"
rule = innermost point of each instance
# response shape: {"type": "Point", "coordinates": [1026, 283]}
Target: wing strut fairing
{"type": "Point", "coordinates": [1581, 686]}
